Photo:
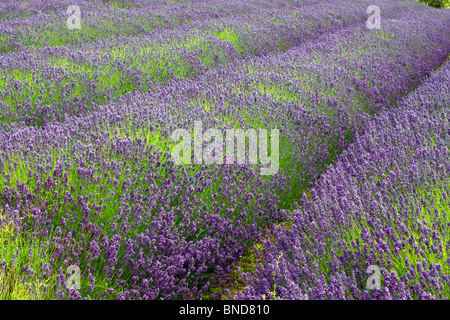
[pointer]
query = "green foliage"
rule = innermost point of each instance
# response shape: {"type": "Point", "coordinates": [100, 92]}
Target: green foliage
{"type": "Point", "coordinates": [437, 3]}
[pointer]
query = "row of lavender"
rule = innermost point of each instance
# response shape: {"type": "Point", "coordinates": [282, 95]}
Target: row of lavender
{"type": "Point", "coordinates": [43, 85]}
{"type": "Point", "coordinates": [384, 204]}
{"type": "Point", "coordinates": [42, 23]}
{"type": "Point", "coordinates": [94, 191]}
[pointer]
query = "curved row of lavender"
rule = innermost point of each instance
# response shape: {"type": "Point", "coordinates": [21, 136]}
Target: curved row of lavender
{"type": "Point", "coordinates": [384, 203]}
{"type": "Point", "coordinates": [43, 84]}
{"type": "Point", "coordinates": [95, 191]}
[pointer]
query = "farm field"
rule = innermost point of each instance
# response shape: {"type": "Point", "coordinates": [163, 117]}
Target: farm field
{"type": "Point", "coordinates": [225, 149]}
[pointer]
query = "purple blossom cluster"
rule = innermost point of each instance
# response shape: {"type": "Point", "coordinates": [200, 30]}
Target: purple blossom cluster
{"type": "Point", "coordinates": [384, 203]}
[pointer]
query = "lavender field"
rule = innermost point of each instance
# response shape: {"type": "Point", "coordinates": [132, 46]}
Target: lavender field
{"type": "Point", "coordinates": [345, 194]}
